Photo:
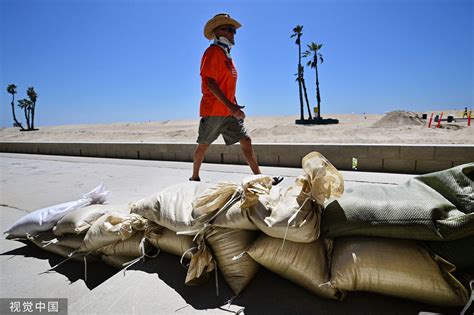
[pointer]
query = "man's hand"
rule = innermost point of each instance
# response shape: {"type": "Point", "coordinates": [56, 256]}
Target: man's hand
{"type": "Point", "coordinates": [237, 112]}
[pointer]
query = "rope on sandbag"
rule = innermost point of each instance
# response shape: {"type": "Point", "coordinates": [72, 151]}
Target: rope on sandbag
{"type": "Point", "coordinates": [291, 220]}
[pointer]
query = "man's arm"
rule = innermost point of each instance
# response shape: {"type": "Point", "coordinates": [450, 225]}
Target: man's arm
{"type": "Point", "coordinates": [233, 107]}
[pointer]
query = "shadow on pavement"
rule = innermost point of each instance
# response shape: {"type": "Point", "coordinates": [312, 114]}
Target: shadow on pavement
{"type": "Point", "coordinates": [269, 293]}
{"type": "Point", "coordinates": [97, 272]}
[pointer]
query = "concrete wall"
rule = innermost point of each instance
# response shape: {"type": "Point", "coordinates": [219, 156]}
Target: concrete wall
{"type": "Point", "coordinates": [397, 158]}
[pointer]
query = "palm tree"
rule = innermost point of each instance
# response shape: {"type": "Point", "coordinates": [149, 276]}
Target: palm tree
{"type": "Point", "coordinates": [12, 90]}
{"type": "Point", "coordinates": [33, 97]}
{"type": "Point", "coordinates": [313, 63]}
{"type": "Point", "coordinates": [310, 117]}
{"type": "Point", "coordinates": [25, 104]}
{"type": "Point", "coordinates": [298, 32]}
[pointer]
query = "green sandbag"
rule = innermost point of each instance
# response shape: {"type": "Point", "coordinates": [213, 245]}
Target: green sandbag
{"type": "Point", "coordinates": [436, 206]}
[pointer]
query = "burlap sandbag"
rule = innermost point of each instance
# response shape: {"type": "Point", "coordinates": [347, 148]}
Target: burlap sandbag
{"type": "Point", "coordinates": [172, 206]}
{"type": "Point", "coordinates": [401, 268]}
{"type": "Point", "coordinates": [229, 250]}
{"type": "Point", "coordinates": [306, 264]}
{"type": "Point", "coordinates": [61, 245]}
{"type": "Point", "coordinates": [81, 219]}
{"type": "Point", "coordinates": [201, 265]}
{"type": "Point", "coordinates": [283, 214]}
{"type": "Point", "coordinates": [131, 247]}
{"type": "Point", "coordinates": [169, 242]}
{"type": "Point", "coordinates": [112, 227]}
{"type": "Point", "coordinates": [436, 206]}
{"type": "Point", "coordinates": [227, 204]}
{"type": "Point", "coordinates": [237, 217]}
{"type": "Point", "coordinates": [294, 212]}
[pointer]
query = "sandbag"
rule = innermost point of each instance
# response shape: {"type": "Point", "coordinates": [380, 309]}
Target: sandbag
{"type": "Point", "coordinates": [130, 247]}
{"type": "Point", "coordinates": [201, 265]}
{"type": "Point", "coordinates": [80, 220]}
{"type": "Point", "coordinates": [172, 206]}
{"type": "Point", "coordinates": [226, 204]}
{"type": "Point", "coordinates": [62, 246]}
{"type": "Point", "coordinates": [229, 250]}
{"type": "Point", "coordinates": [306, 264]}
{"type": "Point", "coordinates": [44, 219]}
{"type": "Point", "coordinates": [401, 268]}
{"type": "Point", "coordinates": [294, 212]}
{"type": "Point", "coordinates": [169, 242]}
{"type": "Point", "coordinates": [282, 214]}
{"type": "Point", "coordinates": [435, 206]}
{"type": "Point", "coordinates": [110, 228]}
{"type": "Point", "coordinates": [237, 217]}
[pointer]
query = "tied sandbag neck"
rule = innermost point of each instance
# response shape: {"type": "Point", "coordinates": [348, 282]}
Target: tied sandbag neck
{"type": "Point", "coordinates": [128, 264]}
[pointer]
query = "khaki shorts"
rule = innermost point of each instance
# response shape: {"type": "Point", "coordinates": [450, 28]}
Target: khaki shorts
{"type": "Point", "coordinates": [211, 127]}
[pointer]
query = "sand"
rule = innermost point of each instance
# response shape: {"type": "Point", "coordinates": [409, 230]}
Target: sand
{"type": "Point", "coordinates": [393, 128]}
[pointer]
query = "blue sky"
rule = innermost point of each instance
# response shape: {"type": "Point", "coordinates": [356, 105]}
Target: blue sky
{"type": "Point", "coordinates": [107, 61]}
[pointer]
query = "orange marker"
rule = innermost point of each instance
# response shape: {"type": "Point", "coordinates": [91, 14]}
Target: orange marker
{"type": "Point", "coordinates": [439, 120]}
{"type": "Point", "coordinates": [431, 119]}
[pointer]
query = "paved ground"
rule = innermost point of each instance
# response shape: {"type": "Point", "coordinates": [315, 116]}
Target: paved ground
{"type": "Point", "coordinates": [29, 182]}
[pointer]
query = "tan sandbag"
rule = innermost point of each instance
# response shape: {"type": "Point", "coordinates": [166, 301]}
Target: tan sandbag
{"type": "Point", "coordinates": [213, 198]}
{"type": "Point", "coordinates": [229, 250]}
{"type": "Point", "coordinates": [226, 204]}
{"type": "Point", "coordinates": [110, 228]}
{"type": "Point", "coordinates": [236, 217]}
{"type": "Point", "coordinates": [306, 264]}
{"type": "Point", "coordinates": [62, 246]}
{"type": "Point", "coordinates": [201, 264]}
{"type": "Point", "coordinates": [322, 180]}
{"type": "Point", "coordinates": [116, 261]}
{"type": "Point", "coordinates": [283, 214]}
{"type": "Point", "coordinates": [172, 206]}
{"type": "Point", "coordinates": [169, 242]}
{"type": "Point", "coordinates": [401, 268]}
{"type": "Point", "coordinates": [129, 247]}
{"type": "Point", "coordinates": [81, 219]}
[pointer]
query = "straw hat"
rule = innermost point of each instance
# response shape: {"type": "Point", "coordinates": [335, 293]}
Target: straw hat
{"type": "Point", "coordinates": [218, 20]}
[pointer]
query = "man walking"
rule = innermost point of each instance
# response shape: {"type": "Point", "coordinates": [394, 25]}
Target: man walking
{"type": "Point", "coordinates": [219, 110]}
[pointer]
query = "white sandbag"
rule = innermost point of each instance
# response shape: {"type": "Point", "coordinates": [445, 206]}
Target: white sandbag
{"type": "Point", "coordinates": [44, 219]}
{"type": "Point", "coordinates": [110, 228]}
{"type": "Point", "coordinates": [229, 250]}
{"type": "Point", "coordinates": [80, 220]}
{"type": "Point", "coordinates": [172, 206]}
{"type": "Point", "coordinates": [401, 268]}
{"type": "Point", "coordinates": [169, 242]}
{"type": "Point", "coordinates": [306, 264]}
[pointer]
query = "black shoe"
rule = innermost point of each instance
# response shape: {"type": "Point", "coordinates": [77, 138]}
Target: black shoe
{"type": "Point", "coordinates": [194, 179]}
{"type": "Point", "coordinates": [277, 180]}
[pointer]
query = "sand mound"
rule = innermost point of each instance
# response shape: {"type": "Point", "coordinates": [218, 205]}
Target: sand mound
{"type": "Point", "coordinates": [399, 118]}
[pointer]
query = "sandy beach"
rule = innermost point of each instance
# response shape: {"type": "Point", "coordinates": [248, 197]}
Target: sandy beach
{"type": "Point", "coordinates": [391, 128]}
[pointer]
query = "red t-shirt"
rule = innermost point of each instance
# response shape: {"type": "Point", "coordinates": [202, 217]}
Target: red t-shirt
{"type": "Point", "coordinates": [216, 65]}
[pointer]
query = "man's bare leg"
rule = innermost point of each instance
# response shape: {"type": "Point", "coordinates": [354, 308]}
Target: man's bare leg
{"type": "Point", "coordinates": [199, 153]}
{"type": "Point", "coordinates": [249, 155]}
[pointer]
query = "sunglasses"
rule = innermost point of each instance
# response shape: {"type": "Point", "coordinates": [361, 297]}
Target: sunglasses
{"type": "Point", "coordinates": [229, 29]}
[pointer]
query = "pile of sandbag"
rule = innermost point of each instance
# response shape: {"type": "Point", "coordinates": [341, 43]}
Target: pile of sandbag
{"type": "Point", "coordinates": [396, 241]}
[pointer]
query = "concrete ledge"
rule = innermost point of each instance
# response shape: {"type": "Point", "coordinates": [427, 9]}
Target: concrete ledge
{"type": "Point", "coordinates": [396, 158]}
